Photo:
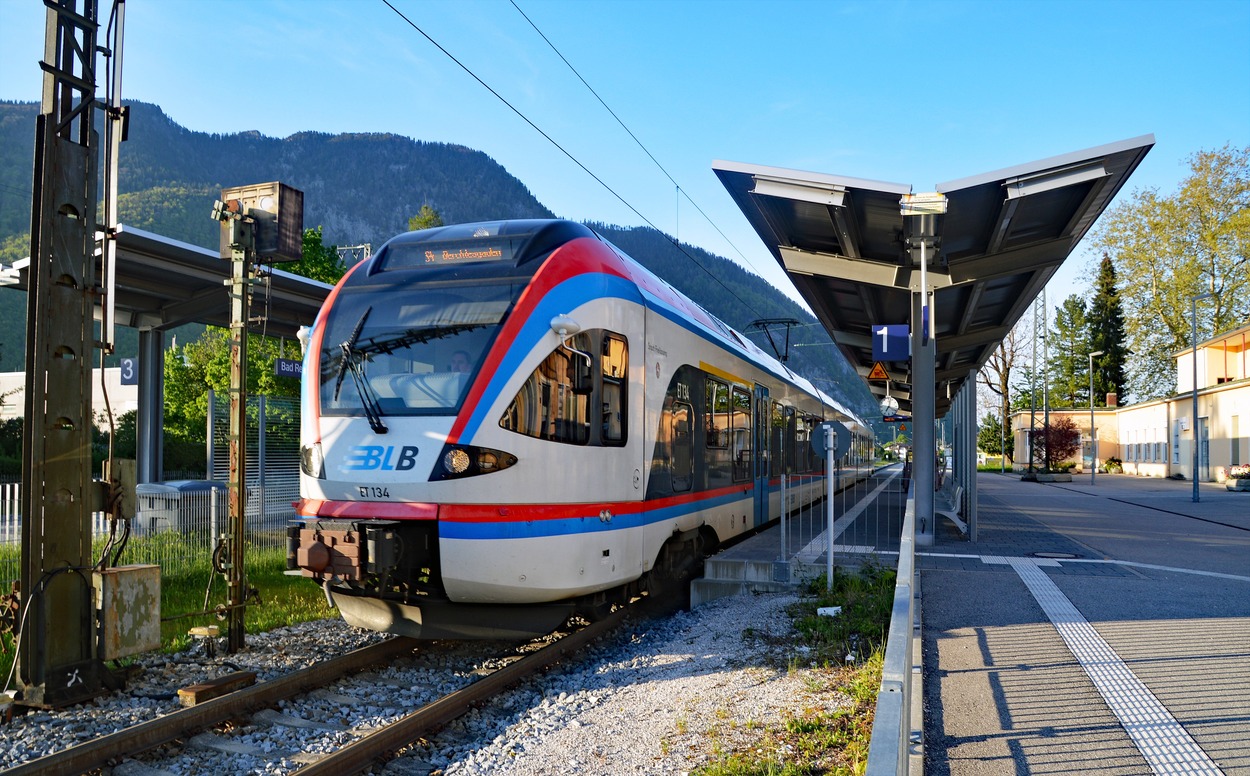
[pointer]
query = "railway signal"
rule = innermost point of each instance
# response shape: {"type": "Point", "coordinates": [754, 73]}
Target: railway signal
{"type": "Point", "coordinates": [262, 222]}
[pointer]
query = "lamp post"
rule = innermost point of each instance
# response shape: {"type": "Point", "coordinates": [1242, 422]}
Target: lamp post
{"type": "Point", "coordinates": [1093, 436]}
{"type": "Point", "coordinates": [1193, 301]}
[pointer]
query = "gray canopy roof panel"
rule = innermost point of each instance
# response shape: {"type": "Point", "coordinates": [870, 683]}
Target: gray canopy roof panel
{"type": "Point", "coordinates": [162, 283]}
{"type": "Point", "coordinates": [853, 255]}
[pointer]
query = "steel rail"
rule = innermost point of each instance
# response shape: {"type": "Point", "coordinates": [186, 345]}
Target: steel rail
{"type": "Point", "coordinates": [367, 751]}
{"type": "Point", "coordinates": [98, 753]}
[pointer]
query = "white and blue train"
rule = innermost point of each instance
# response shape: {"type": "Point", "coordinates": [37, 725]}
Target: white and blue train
{"type": "Point", "coordinates": [508, 423]}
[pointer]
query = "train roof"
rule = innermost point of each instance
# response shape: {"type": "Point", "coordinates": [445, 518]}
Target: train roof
{"type": "Point", "coordinates": [520, 243]}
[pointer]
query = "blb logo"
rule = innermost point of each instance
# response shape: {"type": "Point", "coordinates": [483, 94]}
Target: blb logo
{"type": "Point", "coordinates": [370, 458]}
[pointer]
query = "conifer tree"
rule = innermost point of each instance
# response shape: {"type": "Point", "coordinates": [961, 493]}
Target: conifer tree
{"type": "Point", "coordinates": [426, 218]}
{"type": "Point", "coordinates": [1069, 362]}
{"type": "Point", "coordinates": [1106, 333]}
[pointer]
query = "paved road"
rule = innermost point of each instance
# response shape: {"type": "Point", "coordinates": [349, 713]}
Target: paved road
{"type": "Point", "coordinates": [1100, 628]}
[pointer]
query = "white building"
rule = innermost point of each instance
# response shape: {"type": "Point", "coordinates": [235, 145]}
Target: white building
{"type": "Point", "coordinates": [120, 398]}
{"type": "Point", "coordinates": [1156, 438]}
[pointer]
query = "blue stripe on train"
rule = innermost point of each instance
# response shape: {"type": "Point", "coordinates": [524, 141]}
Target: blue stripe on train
{"type": "Point", "coordinates": [532, 529]}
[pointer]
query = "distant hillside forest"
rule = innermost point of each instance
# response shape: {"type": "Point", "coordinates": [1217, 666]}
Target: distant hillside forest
{"type": "Point", "coordinates": [171, 175]}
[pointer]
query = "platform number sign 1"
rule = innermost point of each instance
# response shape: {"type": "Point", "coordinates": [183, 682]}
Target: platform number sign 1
{"type": "Point", "coordinates": [891, 342]}
{"type": "Point", "coordinates": [130, 371]}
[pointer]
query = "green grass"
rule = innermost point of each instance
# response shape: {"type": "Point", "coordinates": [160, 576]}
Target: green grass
{"type": "Point", "coordinates": [813, 741]}
{"type": "Point", "coordinates": [866, 599]}
{"type": "Point", "coordinates": [283, 600]}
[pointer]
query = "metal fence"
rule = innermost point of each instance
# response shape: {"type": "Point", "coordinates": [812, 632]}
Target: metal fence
{"type": "Point", "coordinates": [272, 463]}
{"type": "Point", "coordinates": [176, 521]}
{"type": "Point", "coordinates": [866, 515]}
{"type": "Point", "coordinates": [889, 751]}
{"type": "Point", "coordinates": [873, 520]}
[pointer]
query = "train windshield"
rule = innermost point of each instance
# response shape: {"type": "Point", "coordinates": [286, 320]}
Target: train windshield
{"type": "Point", "coordinates": [409, 351]}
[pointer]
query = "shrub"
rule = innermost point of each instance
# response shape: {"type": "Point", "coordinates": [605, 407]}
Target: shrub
{"type": "Point", "coordinates": [1061, 438]}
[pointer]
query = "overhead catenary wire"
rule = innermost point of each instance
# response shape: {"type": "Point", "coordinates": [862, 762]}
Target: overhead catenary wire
{"type": "Point", "coordinates": [680, 191]}
{"type": "Point", "coordinates": [563, 150]}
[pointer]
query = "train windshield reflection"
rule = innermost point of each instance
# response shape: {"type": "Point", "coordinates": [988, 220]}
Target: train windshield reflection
{"type": "Point", "coordinates": [409, 352]}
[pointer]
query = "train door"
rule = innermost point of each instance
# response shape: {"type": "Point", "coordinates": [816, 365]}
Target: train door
{"type": "Point", "coordinates": [762, 455]}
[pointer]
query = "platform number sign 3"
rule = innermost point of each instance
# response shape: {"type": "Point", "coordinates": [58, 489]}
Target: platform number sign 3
{"type": "Point", "coordinates": [130, 371]}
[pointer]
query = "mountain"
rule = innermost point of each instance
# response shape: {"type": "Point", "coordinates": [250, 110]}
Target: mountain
{"type": "Point", "coordinates": [363, 188]}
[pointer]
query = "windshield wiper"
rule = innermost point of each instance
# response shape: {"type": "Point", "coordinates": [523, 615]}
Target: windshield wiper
{"type": "Point", "coordinates": [368, 398]}
{"type": "Point", "coordinates": [348, 347]}
{"type": "Point", "coordinates": [353, 360]}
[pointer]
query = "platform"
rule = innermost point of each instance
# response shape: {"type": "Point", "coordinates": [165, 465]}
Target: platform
{"type": "Point", "coordinates": [1090, 628]}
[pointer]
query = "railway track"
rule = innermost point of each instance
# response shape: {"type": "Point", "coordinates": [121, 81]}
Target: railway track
{"type": "Point", "coordinates": [256, 702]}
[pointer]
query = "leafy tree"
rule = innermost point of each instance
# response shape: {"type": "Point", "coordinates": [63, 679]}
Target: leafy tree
{"type": "Point", "coordinates": [1168, 249]}
{"type": "Point", "coordinates": [1057, 442]}
{"type": "Point", "coordinates": [1069, 360]}
{"type": "Point", "coordinates": [319, 261]}
{"type": "Point", "coordinates": [1106, 333]}
{"type": "Point", "coordinates": [203, 364]}
{"type": "Point", "coordinates": [427, 218]}
{"type": "Point", "coordinates": [997, 374]}
{"type": "Point", "coordinates": [126, 435]}
{"type": "Point", "coordinates": [11, 446]}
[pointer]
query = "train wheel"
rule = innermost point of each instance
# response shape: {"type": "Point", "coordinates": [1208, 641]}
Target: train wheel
{"type": "Point", "coordinates": [595, 607]}
{"type": "Point", "coordinates": [680, 561]}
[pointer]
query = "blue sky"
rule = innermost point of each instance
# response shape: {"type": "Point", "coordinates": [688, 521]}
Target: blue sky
{"type": "Point", "coordinates": [906, 92]}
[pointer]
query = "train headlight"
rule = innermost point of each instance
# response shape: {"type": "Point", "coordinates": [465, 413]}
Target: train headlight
{"type": "Point", "coordinates": [459, 461]}
{"type": "Point", "coordinates": [456, 461]}
{"type": "Point", "coordinates": [311, 461]}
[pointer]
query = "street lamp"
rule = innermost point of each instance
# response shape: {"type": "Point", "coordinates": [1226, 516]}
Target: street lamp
{"type": "Point", "coordinates": [1194, 335]}
{"type": "Point", "coordinates": [1093, 437]}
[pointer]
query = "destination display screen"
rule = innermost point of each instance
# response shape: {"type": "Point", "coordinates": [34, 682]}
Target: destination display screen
{"type": "Point", "coordinates": [450, 252]}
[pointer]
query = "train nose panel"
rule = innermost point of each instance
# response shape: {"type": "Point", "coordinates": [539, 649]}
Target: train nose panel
{"type": "Point", "coordinates": [440, 620]}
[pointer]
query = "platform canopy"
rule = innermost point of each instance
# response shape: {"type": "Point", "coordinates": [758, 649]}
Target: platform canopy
{"type": "Point", "coordinates": [855, 257]}
{"type": "Point", "coordinates": [162, 283]}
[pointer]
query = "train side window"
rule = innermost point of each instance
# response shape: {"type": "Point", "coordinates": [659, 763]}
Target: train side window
{"type": "Point", "coordinates": [614, 360]}
{"type": "Point", "coordinates": [776, 434]}
{"type": "Point", "coordinates": [681, 464]}
{"type": "Point", "coordinates": [717, 413]}
{"type": "Point", "coordinates": [791, 461]}
{"type": "Point", "coordinates": [547, 406]}
{"type": "Point", "coordinates": [740, 431]}
{"type": "Point", "coordinates": [802, 444]}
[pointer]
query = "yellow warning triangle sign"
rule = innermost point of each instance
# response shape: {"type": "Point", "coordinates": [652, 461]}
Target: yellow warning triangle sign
{"type": "Point", "coordinates": [878, 372]}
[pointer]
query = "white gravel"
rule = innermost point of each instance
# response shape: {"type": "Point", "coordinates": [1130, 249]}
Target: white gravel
{"type": "Point", "coordinates": [655, 702]}
{"type": "Point", "coordinates": [654, 699]}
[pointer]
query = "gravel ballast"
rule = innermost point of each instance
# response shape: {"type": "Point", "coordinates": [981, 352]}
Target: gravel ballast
{"type": "Point", "coordinates": [659, 696]}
